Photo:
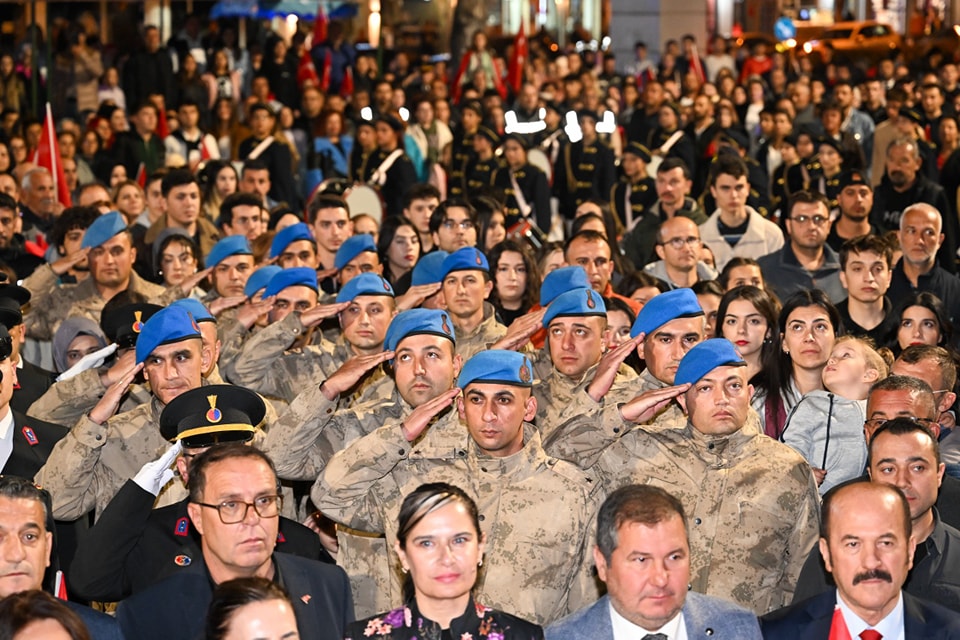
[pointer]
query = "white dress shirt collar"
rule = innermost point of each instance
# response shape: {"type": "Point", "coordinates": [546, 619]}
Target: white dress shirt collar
{"type": "Point", "coordinates": [623, 629]}
{"type": "Point", "coordinates": [890, 628]}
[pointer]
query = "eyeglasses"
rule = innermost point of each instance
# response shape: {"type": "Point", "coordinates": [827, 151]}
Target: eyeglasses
{"type": "Point", "coordinates": [679, 243]}
{"type": "Point", "coordinates": [234, 511]}
{"type": "Point", "coordinates": [817, 220]}
{"type": "Point", "coordinates": [465, 225]}
{"type": "Point", "coordinates": [875, 423]}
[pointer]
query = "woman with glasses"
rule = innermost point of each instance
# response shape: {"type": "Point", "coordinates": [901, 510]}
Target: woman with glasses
{"type": "Point", "coordinates": [440, 547]}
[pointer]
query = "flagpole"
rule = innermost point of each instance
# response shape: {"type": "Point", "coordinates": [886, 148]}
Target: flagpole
{"type": "Point", "coordinates": [53, 154]}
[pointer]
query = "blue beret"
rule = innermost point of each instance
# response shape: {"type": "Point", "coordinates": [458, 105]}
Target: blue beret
{"type": "Point", "coordinates": [196, 308]}
{"type": "Point", "coordinates": [296, 276]}
{"type": "Point", "coordinates": [102, 229]}
{"type": "Point", "coordinates": [560, 280]}
{"type": "Point", "coordinates": [418, 322]}
{"type": "Point", "coordinates": [365, 284]}
{"type": "Point", "coordinates": [166, 326]}
{"type": "Point", "coordinates": [260, 279]}
{"type": "Point", "coordinates": [285, 237]}
{"type": "Point", "coordinates": [465, 259]}
{"type": "Point", "coordinates": [428, 269]}
{"type": "Point", "coordinates": [226, 247]}
{"type": "Point", "coordinates": [577, 302]}
{"type": "Point", "coordinates": [705, 357]}
{"type": "Point", "coordinates": [661, 309]}
{"type": "Point", "coordinates": [497, 365]}
{"type": "Point", "coordinates": [352, 247]}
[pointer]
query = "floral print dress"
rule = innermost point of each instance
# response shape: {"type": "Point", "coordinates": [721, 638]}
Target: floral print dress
{"type": "Point", "coordinates": [477, 623]}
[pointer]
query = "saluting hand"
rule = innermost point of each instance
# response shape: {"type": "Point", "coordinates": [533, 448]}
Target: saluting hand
{"type": "Point", "coordinates": [249, 313]}
{"type": "Point", "coordinates": [415, 296]}
{"type": "Point", "coordinates": [221, 304]}
{"type": "Point", "coordinates": [649, 403]}
{"type": "Point", "coordinates": [188, 284]}
{"type": "Point", "coordinates": [350, 373]}
{"type": "Point", "coordinates": [313, 317]}
{"type": "Point", "coordinates": [69, 261]}
{"type": "Point", "coordinates": [110, 402]}
{"type": "Point", "coordinates": [520, 331]}
{"type": "Point", "coordinates": [422, 416]}
{"type": "Point", "coordinates": [608, 367]}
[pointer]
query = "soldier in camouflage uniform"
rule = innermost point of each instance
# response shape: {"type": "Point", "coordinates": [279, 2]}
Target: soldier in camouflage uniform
{"type": "Point", "coordinates": [536, 564]}
{"type": "Point", "coordinates": [420, 342]}
{"type": "Point", "coordinates": [466, 286]}
{"type": "Point", "coordinates": [102, 451]}
{"type": "Point", "coordinates": [111, 261]}
{"type": "Point", "coordinates": [752, 501]}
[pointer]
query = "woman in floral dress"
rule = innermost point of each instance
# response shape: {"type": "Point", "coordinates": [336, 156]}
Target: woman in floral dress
{"type": "Point", "coordinates": [441, 551]}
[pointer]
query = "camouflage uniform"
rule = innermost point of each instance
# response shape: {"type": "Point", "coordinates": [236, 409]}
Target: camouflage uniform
{"type": "Point", "coordinates": [751, 503]}
{"type": "Point", "coordinates": [537, 565]}
{"type": "Point", "coordinates": [86, 468]}
{"type": "Point", "coordinates": [67, 401]}
{"type": "Point", "coordinates": [556, 394]}
{"type": "Point", "coordinates": [480, 339]}
{"type": "Point", "coordinates": [82, 300]}
{"type": "Point", "coordinates": [267, 364]}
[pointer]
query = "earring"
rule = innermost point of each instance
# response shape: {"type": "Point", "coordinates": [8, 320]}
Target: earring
{"type": "Point", "coordinates": [480, 564]}
{"type": "Point", "coordinates": [404, 569]}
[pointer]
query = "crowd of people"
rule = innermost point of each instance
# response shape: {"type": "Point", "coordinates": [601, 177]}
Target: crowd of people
{"type": "Point", "coordinates": [599, 349]}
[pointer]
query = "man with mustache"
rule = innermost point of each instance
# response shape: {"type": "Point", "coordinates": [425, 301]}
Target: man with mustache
{"type": "Point", "coordinates": [868, 544]}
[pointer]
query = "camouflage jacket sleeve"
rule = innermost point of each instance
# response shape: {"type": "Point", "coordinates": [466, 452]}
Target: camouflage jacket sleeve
{"type": "Point", "coordinates": [43, 281]}
{"type": "Point", "coordinates": [583, 438]}
{"type": "Point", "coordinates": [66, 401]}
{"type": "Point", "coordinates": [804, 536]}
{"type": "Point", "coordinates": [232, 335]}
{"type": "Point", "coordinates": [72, 473]}
{"type": "Point", "coordinates": [345, 492]}
{"type": "Point", "coordinates": [294, 443]}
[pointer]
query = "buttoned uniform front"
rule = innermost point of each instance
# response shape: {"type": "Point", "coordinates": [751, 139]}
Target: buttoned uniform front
{"type": "Point", "coordinates": [480, 174]}
{"type": "Point", "coordinates": [303, 441]}
{"type": "Point", "coordinates": [88, 467]}
{"type": "Point", "coordinates": [536, 565]}
{"type": "Point", "coordinates": [761, 238]}
{"type": "Point", "coordinates": [463, 156]}
{"type": "Point", "coordinates": [783, 273]}
{"type": "Point", "coordinates": [632, 200]}
{"type": "Point", "coordinates": [134, 546]}
{"type": "Point", "coordinates": [83, 300]}
{"type": "Point", "coordinates": [583, 172]}
{"type": "Point", "coordinates": [534, 187]}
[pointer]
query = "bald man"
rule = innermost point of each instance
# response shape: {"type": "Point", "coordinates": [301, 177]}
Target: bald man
{"type": "Point", "coordinates": [679, 249]}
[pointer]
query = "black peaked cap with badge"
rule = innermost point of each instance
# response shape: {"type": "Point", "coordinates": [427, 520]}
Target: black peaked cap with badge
{"type": "Point", "coordinates": [213, 414]}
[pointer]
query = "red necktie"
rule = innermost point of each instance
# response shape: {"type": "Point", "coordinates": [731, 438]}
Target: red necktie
{"type": "Point", "coordinates": [870, 634]}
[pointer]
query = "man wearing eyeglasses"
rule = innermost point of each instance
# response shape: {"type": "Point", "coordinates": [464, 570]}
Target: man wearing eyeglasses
{"type": "Point", "coordinates": [235, 506]}
{"type": "Point", "coordinates": [453, 225]}
{"type": "Point", "coordinates": [807, 261]}
{"type": "Point", "coordinates": [679, 246]}
{"type": "Point", "coordinates": [133, 545]}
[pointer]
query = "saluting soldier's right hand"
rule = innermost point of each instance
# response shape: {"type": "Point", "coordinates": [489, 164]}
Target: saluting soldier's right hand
{"type": "Point", "coordinates": [249, 313]}
{"type": "Point", "coordinates": [520, 331]}
{"type": "Point", "coordinates": [316, 315]}
{"type": "Point", "coordinates": [649, 403]}
{"type": "Point", "coordinates": [609, 365]}
{"type": "Point", "coordinates": [110, 402]}
{"type": "Point", "coordinates": [422, 416]}
{"type": "Point", "coordinates": [350, 373]}
{"type": "Point", "coordinates": [415, 295]}
{"type": "Point", "coordinates": [69, 261]}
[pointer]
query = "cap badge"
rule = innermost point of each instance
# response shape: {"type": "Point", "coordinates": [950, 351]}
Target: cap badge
{"type": "Point", "coordinates": [591, 304]}
{"type": "Point", "coordinates": [137, 321]}
{"type": "Point", "coordinates": [525, 372]}
{"type": "Point", "coordinates": [444, 325]}
{"type": "Point", "coordinates": [213, 415]}
{"type": "Point", "coordinates": [479, 259]}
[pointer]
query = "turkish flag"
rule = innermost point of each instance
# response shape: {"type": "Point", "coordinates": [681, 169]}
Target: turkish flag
{"type": "Point", "coordinates": [325, 73]}
{"type": "Point", "coordinates": [519, 59]}
{"type": "Point", "coordinates": [163, 129]}
{"type": "Point", "coordinates": [306, 70]}
{"type": "Point", "coordinates": [346, 87]}
{"type": "Point", "coordinates": [320, 25]}
{"type": "Point", "coordinates": [142, 176]}
{"type": "Point", "coordinates": [47, 156]}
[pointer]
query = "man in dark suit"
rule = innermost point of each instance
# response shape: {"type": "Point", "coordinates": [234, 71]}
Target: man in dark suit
{"type": "Point", "coordinates": [32, 381]}
{"type": "Point", "coordinates": [234, 504]}
{"type": "Point", "coordinates": [133, 545]}
{"type": "Point", "coordinates": [649, 599]}
{"type": "Point", "coordinates": [868, 545]}
{"type": "Point", "coordinates": [27, 542]}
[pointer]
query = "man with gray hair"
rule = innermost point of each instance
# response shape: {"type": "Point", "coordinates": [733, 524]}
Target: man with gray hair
{"type": "Point", "coordinates": [905, 184]}
{"type": "Point", "coordinates": [649, 599]}
{"type": "Point", "coordinates": [921, 269]}
{"type": "Point", "coordinates": [38, 202]}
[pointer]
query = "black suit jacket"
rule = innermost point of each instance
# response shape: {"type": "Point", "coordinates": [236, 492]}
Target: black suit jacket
{"type": "Point", "coordinates": [177, 607]}
{"type": "Point", "coordinates": [134, 546]}
{"type": "Point", "coordinates": [32, 382]}
{"type": "Point", "coordinates": [100, 625]}
{"type": "Point", "coordinates": [33, 441]}
{"type": "Point", "coordinates": [811, 620]}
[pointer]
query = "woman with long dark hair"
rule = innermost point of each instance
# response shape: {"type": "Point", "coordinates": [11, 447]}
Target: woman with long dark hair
{"type": "Point", "coordinates": [516, 279]}
{"type": "Point", "coordinates": [399, 248]}
{"type": "Point", "coordinates": [439, 535]}
{"type": "Point", "coordinates": [923, 319]}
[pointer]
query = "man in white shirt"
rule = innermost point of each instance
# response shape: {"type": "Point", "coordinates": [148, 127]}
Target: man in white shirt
{"type": "Point", "coordinates": [867, 544]}
{"type": "Point", "coordinates": [649, 600]}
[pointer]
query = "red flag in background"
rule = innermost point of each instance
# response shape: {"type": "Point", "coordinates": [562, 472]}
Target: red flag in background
{"type": "Point", "coordinates": [519, 59]}
{"type": "Point", "coordinates": [320, 25]}
{"type": "Point", "coordinates": [838, 628]}
{"type": "Point", "coordinates": [306, 70]}
{"type": "Point", "coordinates": [346, 87]}
{"type": "Point", "coordinates": [696, 66]}
{"type": "Point", "coordinates": [48, 157]}
{"type": "Point", "coordinates": [325, 72]}
{"type": "Point", "coordinates": [163, 129]}
{"type": "Point", "coordinates": [142, 176]}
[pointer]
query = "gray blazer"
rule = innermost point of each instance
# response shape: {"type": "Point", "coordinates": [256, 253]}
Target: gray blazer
{"type": "Point", "coordinates": [704, 617]}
